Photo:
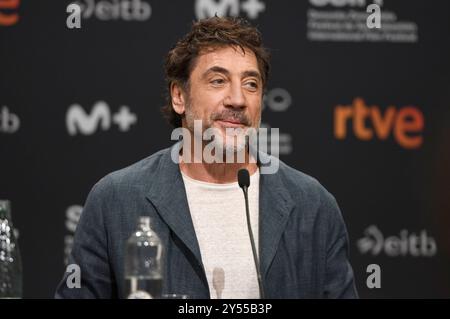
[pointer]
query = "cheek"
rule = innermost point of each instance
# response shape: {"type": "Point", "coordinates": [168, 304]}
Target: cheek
{"type": "Point", "coordinates": [256, 106]}
{"type": "Point", "coordinates": [207, 99]}
{"type": "Point", "coordinates": [208, 104]}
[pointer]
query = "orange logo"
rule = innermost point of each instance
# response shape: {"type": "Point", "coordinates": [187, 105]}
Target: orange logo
{"type": "Point", "coordinates": [405, 124]}
{"type": "Point", "coordinates": [9, 18]}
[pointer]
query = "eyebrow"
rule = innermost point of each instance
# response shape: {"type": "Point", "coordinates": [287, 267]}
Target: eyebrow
{"type": "Point", "coordinates": [219, 69]}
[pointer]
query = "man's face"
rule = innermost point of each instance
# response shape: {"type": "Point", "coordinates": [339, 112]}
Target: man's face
{"type": "Point", "coordinates": [225, 91]}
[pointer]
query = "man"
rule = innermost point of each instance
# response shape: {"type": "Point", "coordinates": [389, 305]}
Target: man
{"type": "Point", "coordinates": [216, 75]}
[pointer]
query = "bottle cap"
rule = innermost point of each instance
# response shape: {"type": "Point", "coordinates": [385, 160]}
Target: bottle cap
{"type": "Point", "coordinates": [144, 222]}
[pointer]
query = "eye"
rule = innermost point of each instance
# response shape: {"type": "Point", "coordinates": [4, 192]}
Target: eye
{"type": "Point", "coordinates": [252, 85]}
{"type": "Point", "coordinates": [218, 81]}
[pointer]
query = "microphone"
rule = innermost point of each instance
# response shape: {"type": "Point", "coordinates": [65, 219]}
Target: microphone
{"type": "Point", "coordinates": [244, 183]}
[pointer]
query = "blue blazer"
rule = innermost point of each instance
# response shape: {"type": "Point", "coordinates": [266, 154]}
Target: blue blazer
{"type": "Point", "coordinates": [303, 238]}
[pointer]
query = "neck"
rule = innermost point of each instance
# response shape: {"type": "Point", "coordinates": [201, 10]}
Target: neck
{"type": "Point", "coordinates": [219, 173]}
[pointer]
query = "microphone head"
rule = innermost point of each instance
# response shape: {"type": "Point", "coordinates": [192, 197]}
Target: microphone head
{"type": "Point", "coordinates": [243, 178]}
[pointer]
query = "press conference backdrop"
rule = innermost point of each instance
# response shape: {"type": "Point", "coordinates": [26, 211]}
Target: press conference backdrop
{"type": "Point", "coordinates": [365, 111]}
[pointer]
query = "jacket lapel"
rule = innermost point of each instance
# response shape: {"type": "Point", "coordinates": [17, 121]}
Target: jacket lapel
{"type": "Point", "coordinates": [275, 206]}
{"type": "Point", "coordinates": [168, 195]}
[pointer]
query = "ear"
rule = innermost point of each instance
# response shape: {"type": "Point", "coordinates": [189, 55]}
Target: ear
{"type": "Point", "coordinates": [178, 99]}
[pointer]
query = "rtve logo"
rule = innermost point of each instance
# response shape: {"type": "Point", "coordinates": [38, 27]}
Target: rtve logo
{"type": "Point", "coordinates": [8, 16]}
{"type": "Point", "coordinates": [79, 122]}
{"type": "Point", "coordinates": [209, 8]}
{"type": "Point", "coordinates": [406, 124]}
{"type": "Point", "coordinates": [9, 122]}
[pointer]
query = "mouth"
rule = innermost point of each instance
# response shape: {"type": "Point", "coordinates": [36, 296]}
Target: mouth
{"type": "Point", "coordinates": [230, 123]}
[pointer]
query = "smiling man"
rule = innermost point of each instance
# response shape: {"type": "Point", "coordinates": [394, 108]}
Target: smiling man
{"type": "Point", "coordinates": [224, 92]}
{"type": "Point", "coordinates": [216, 77]}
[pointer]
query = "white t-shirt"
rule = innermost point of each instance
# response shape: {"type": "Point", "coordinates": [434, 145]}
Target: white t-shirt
{"type": "Point", "coordinates": [218, 215]}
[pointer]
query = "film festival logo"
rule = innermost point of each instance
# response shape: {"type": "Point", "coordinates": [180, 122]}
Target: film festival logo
{"type": "Point", "coordinates": [372, 21]}
{"type": "Point", "coordinates": [9, 122]}
{"type": "Point", "coordinates": [8, 12]}
{"type": "Point", "coordinates": [368, 122]}
{"type": "Point", "coordinates": [80, 122]}
{"type": "Point", "coordinates": [107, 10]}
{"type": "Point", "coordinates": [209, 8]}
{"type": "Point", "coordinates": [415, 245]}
{"type": "Point", "coordinates": [357, 21]}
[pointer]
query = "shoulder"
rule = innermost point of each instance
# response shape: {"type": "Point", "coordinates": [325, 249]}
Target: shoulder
{"type": "Point", "coordinates": [303, 186]}
{"type": "Point", "coordinates": [131, 177]}
{"type": "Point", "coordinates": [312, 200]}
{"type": "Point", "coordinates": [315, 205]}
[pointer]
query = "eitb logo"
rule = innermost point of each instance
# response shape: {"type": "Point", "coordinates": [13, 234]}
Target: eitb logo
{"type": "Point", "coordinates": [9, 122]}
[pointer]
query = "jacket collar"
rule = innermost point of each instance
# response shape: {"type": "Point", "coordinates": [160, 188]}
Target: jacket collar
{"type": "Point", "coordinates": [168, 195]}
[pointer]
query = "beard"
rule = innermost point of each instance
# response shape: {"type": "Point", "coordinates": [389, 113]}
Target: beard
{"type": "Point", "coordinates": [227, 140]}
{"type": "Point", "coordinates": [233, 141]}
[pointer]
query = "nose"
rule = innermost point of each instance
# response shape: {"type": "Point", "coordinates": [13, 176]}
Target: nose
{"type": "Point", "coordinates": [236, 97]}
